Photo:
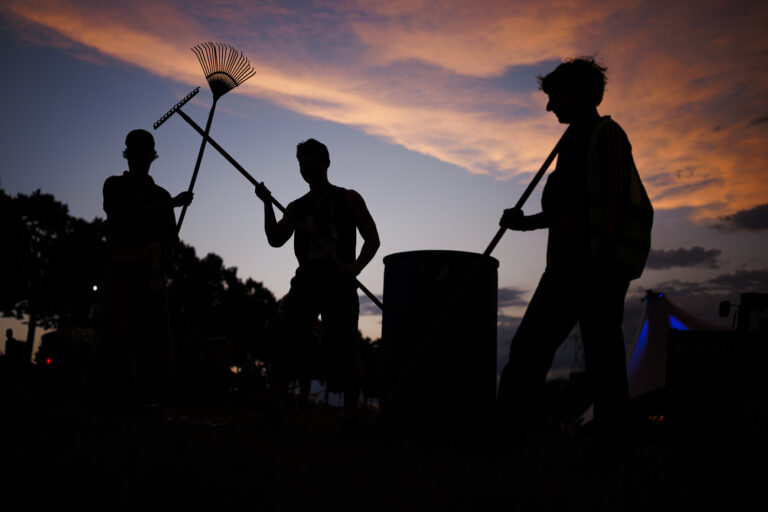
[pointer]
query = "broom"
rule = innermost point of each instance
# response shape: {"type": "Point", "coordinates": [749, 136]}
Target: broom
{"type": "Point", "coordinates": [225, 68]}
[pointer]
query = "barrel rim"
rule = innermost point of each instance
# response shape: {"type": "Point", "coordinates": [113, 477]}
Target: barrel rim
{"type": "Point", "coordinates": [460, 254]}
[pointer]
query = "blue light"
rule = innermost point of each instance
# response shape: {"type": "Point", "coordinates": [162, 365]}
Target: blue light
{"type": "Point", "coordinates": [674, 323]}
{"type": "Point", "coordinates": [637, 354]}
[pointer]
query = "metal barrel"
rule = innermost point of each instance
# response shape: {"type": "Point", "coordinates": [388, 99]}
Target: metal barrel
{"type": "Point", "coordinates": [441, 364]}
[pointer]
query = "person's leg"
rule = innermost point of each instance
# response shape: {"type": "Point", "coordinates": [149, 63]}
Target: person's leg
{"type": "Point", "coordinates": [548, 320]}
{"type": "Point", "coordinates": [600, 319]}
{"type": "Point", "coordinates": [296, 331]}
{"type": "Point", "coordinates": [340, 320]}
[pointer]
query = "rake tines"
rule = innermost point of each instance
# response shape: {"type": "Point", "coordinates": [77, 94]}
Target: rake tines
{"type": "Point", "coordinates": [225, 68]}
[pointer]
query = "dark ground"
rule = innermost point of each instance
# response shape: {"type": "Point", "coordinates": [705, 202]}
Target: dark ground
{"type": "Point", "coordinates": [57, 452]}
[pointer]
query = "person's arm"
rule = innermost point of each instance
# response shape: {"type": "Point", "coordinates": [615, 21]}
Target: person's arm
{"type": "Point", "coordinates": [112, 205]}
{"type": "Point", "coordinates": [277, 232]}
{"type": "Point", "coordinates": [367, 228]}
{"type": "Point", "coordinates": [515, 220]}
{"type": "Point", "coordinates": [183, 199]}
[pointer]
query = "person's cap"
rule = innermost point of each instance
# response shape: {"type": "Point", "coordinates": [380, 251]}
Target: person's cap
{"type": "Point", "coordinates": [139, 140]}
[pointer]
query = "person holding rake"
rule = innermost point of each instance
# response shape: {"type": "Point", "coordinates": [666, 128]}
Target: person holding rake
{"type": "Point", "coordinates": [133, 359]}
{"type": "Point", "coordinates": [325, 247]}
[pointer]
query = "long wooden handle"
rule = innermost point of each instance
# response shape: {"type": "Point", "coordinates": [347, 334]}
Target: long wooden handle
{"type": "Point", "coordinates": [252, 180]}
{"type": "Point", "coordinates": [198, 162]}
{"type": "Point", "coordinates": [451, 303]}
{"type": "Point", "coordinates": [526, 194]}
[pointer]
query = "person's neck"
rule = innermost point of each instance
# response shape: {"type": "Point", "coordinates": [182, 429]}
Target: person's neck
{"type": "Point", "coordinates": [320, 189]}
{"type": "Point", "coordinates": [138, 174]}
{"type": "Point", "coordinates": [586, 118]}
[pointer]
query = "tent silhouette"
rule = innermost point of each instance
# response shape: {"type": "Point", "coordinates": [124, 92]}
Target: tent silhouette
{"type": "Point", "coordinates": [647, 358]}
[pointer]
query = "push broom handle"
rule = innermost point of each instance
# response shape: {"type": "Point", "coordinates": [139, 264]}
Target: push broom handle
{"type": "Point", "coordinates": [197, 163]}
{"type": "Point", "coordinates": [460, 291]}
{"type": "Point", "coordinates": [236, 165]}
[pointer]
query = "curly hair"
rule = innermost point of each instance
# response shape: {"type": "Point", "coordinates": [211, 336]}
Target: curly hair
{"type": "Point", "coordinates": [583, 75]}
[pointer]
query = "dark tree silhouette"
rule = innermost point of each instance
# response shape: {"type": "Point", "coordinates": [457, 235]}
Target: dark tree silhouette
{"type": "Point", "coordinates": [218, 321]}
{"type": "Point", "coordinates": [50, 263]}
{"type": "Point", "coordinates": [51, 270]}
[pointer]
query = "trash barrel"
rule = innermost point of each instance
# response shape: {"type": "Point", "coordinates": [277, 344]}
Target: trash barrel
{"type": "Point", "coordinates": [439, 338]}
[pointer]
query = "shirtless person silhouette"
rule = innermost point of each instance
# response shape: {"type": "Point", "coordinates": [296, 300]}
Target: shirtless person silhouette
{"type": "Point", "coordinates": [325, 247]}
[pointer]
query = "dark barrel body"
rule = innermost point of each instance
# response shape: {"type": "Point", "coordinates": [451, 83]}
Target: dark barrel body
{"type": "Point", "coordinates": [453, 379]}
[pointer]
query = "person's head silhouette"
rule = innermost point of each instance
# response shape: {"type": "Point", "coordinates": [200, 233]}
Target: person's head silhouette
{"type": "Point", "coordinates": [314, 161]}
{"type": "Point", "coordinates": [575, 89]}
{"type": "Point", "coordinates": [139, 151]}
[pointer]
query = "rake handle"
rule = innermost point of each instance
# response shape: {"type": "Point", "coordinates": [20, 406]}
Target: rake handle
{"type": "Point", "coordinates": [274, 201]}
{"type": "Point", "coordinates": [198, 162]}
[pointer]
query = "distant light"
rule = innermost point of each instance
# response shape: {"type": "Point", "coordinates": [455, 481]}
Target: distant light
{"type": "Point", "coordinates": [48, 361]}
{"type": "Point", "coordinates": [95, 288]}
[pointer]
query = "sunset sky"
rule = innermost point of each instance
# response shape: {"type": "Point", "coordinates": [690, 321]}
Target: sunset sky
{"type": "Point", "coordinates": [430, 109]}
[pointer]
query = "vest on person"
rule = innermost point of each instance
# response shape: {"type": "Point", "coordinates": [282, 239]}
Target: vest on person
{"type": "Point", "coordinates": [331, 222]}
{"type": "Point", "coordinates": [628, 227]}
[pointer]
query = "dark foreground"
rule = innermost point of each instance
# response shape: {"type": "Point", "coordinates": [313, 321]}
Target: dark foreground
{"type": "Point", "coordinates": [56, 452]}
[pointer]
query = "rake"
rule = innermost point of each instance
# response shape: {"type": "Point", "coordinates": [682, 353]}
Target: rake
{"type": "Point", "coordinates": [298, 223]}
{"type": "Point", "coordinates": [225, 68]}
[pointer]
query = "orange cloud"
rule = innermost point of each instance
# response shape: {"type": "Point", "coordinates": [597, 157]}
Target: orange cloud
{"type": "Point", "coordinates": [686, 79]}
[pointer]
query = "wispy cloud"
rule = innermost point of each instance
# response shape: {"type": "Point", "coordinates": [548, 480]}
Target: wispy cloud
{"type": "Point", "coordinates": [752, 219]}
{"type": "Point", "coordinates": [693, 257]}
{"type": "Point", "coordinates": [367, 307]}
{"type": "Point", "coordinates": [509, 296]}
{"type": "Point", "coordinates": [724, 284]}
{"type": "Point", "coordinates": [685, 79]}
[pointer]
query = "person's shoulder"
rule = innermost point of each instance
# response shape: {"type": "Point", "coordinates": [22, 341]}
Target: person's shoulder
{"type": "Point", "coordinates": [303, 199]}
{"type": "Point", "coordinates": [340, 191]}
{"type": "Point", "coordinates": [355, 200]}
{"type": "Point", "coordinates": [611, 131]}
{"type": "Point", "coordinates": [161, 191]}
{"type": "Point", "coordinates": [114, 182]}
{"type": "Point", "coordinates": [116, 178]}
{"type": "Point", "coordinates": [352, 195]}
{"type": "Point", "coordinates": [299, 202]}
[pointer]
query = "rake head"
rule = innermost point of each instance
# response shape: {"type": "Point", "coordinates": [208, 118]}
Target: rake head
{"type": "Point", "coordinates": [225, 68]}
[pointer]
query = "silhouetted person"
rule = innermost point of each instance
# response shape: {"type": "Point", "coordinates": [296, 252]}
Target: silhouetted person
{"type": "Point", "coordinates": [134, 351]}
{"type": "Point", "coordinates": [332, 215]}
{"type": "Point", "coordinates": [599, 220]}
{"type": "Point", "coordinates": [14, 349]}
{"type": "Point", "coordinates": [13, 362]}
